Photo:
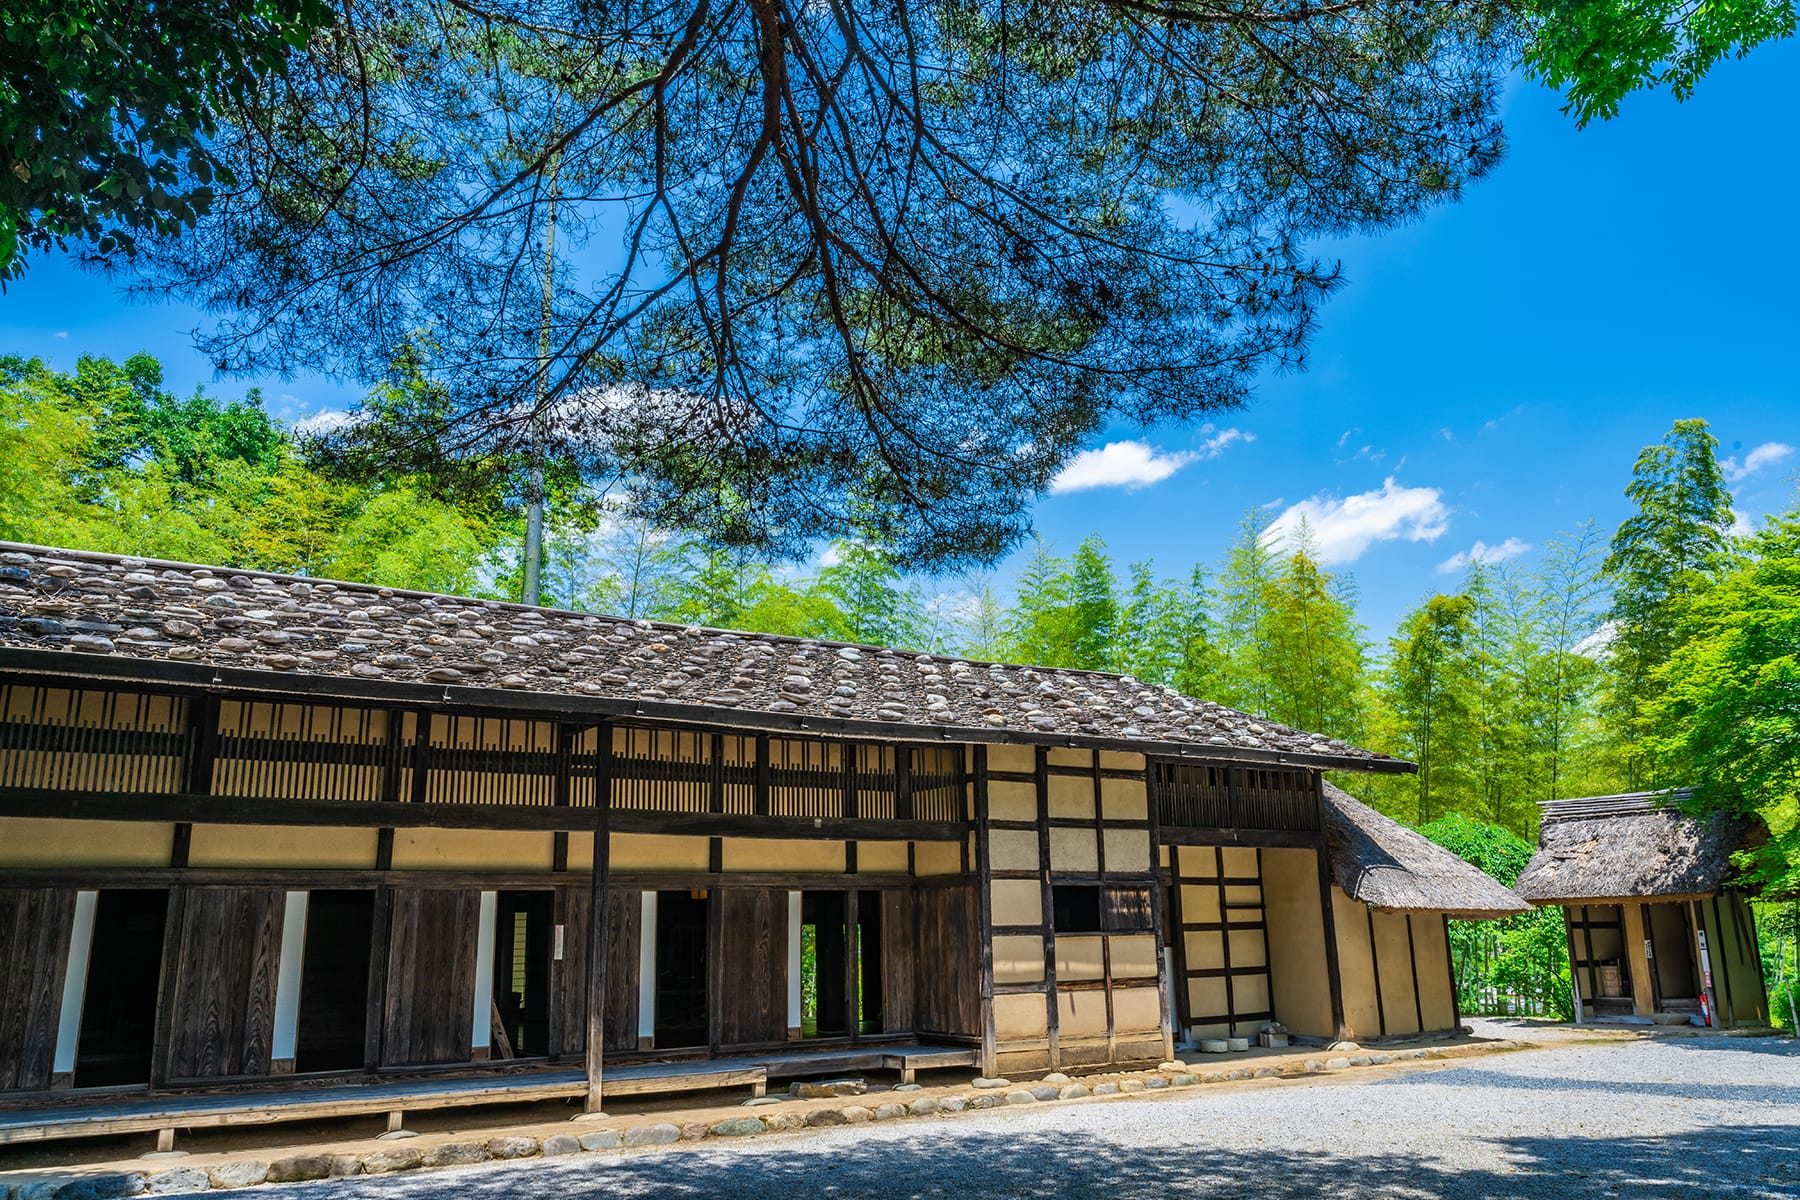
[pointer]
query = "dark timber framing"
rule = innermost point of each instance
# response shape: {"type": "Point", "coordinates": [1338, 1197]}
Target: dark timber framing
{"type": "Point", "coordinates": [389, 760]}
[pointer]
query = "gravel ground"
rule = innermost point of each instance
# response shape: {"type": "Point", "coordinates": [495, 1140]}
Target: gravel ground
{"type": "Point", "coordinates": [1698, 1117]}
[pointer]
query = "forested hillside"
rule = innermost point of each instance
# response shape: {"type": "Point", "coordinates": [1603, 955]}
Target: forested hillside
{"type": "Point", "coordinates": [1664, 653]}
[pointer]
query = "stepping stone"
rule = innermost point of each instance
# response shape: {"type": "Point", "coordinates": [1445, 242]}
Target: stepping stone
{"type": "Point", "coordinates": [987, 1085]}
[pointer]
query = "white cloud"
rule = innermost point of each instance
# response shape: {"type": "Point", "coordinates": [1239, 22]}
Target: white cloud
{"type": "Point", "coordinates": [1765, 455]}
{"type": "Point", "coordinates": [1741, 526]}
{"type": "Point", "coordinates": [1598, 644]}
{"type": "Point", "coordinates": [1343, 527]}
{"type": "Point", "coordinates": [1481, 552]}
{"type": "Point", "coordinates": [1120, 464]}
{"type": "Point", "coordinates": [1222, 440]}
{"type": "Point", "coordinates": [1448, 434]}
{"type": "Point", "coordinates": [1345, 436]}
{"type": "Point", "coordinates": [1135, 464]}
{"type": "Point", "coordinates": [322, 423]}
{"type": "Point", "coordinates": [62, 334]}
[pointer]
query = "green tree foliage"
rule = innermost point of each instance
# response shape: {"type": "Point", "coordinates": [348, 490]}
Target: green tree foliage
{"type": "Point", "coordinates": [1517, 965]}
{"type": "Point", "coordinates": [1664, 551]}
{"type": "Point", "coordinates": [1723, 714]}
{"type": "Point", "coordinates": [1314, 649]}
{"type": "Point", "coordinates": [1098, 215]}
{"type": "Point", "coordinates": [1600, 51]}
{"type": "Point", "coordinates": [108, 108]}
{"type": "Point", "coordinates": [1429, 710]}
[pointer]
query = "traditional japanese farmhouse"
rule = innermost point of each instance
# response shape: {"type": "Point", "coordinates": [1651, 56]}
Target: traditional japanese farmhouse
{"type": "Point", "coordinates": [279, 846]}
{"type": "Point", "coordinates": [1655, 925]}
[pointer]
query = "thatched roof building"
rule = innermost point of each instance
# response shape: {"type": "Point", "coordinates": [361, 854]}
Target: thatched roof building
{"type": "Point", "coordinates": [1382, 863]}
{"type": "Point", "coordinates": [1611, 848]}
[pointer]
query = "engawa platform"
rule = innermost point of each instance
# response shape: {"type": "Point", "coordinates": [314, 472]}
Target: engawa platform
{"type": "Point", "coordinates": [162, 1113]}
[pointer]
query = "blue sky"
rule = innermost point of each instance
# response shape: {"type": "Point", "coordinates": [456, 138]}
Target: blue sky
{"type": "Point", "coordinates": [1487, 375]}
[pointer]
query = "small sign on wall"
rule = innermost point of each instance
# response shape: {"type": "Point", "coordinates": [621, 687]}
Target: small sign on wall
{"type": "Point", "coordinates": [557, 944]}
{"type": "Point", "coordinates": [1649, 948]}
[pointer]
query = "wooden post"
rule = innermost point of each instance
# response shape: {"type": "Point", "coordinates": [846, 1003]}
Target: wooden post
{"type": "Point", "coordinates": [1333, 972]}
{"type": "Point", "coordinates": [984, 914]}
{"type": "Point", "coordinates": [1053, 1013]}
{"type": "Point", "coordinates": [598, 917]}
{"type": "Point", "coordinates": [1450, 967]}
{"type": "Point", "coordinates": [1375, 964]}
{"type": "Point", "coordinates": [1158, 910]}
{"type": "Point", "coordinates": [1412, 960]}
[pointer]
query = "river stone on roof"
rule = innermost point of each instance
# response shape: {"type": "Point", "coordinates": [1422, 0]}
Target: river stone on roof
{"type": "Point", "coordinates": [117, 607]}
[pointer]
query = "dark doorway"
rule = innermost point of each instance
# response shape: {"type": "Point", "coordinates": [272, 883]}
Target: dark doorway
{"type": "Point", "coordinates": [522, 932]}
{"type": "Point", "coordinates": [681, 999]}
{"type": "Point", "coordinates": [869, 980]}
{"type": "Point", "coordinates": [823, 964]}
{"type": "Point", "coordinates": [1672, 951]}
{"type": "Point", "coordinates": [334, 981]}
{"type": "Point", "coordinates": [118, 1012]}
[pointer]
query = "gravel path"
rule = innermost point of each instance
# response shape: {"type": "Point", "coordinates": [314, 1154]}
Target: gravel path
{"type": "Point", "coordinates": [1710, 1117]}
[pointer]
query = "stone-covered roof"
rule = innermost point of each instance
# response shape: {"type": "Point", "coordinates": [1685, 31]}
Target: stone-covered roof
{"type": "Point", "coordinates": [1382, 863]}
{"type": "Point", "coordinates": [1635, 845]}
{"type": "Point", "coordinates": [105, 608]}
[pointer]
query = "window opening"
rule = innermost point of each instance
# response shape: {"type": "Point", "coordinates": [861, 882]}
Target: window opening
{"type": "Point", "coordinates": [1075, 908]}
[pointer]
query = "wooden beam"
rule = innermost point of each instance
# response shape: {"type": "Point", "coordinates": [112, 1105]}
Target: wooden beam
{"type": "Point", "coordinates": [1334, 975]}
{"type": "Point", "coordinates": [1375, 962]}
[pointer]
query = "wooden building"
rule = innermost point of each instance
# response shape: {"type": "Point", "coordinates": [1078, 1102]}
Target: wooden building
{"type": "Point", "coordinates": [1655, 925]}
{"type": "Point", "coordinates": [271, 845]}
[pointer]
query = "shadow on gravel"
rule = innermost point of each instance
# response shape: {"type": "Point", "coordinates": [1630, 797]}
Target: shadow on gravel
{"type": "Point", "coordinates": [1756, 1161]}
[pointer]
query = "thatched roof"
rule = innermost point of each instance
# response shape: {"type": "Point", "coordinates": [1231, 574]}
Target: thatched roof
{"type": "Point", "coordinates": [1630, 846]}
{"type": "Point", "coordinates": [1382, 863]}
{"type": "Point", "coordinates": [103, 615]}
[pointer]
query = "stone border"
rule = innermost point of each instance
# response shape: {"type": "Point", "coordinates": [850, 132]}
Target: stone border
{"type": "Point", "coordinates": [984, 1094]}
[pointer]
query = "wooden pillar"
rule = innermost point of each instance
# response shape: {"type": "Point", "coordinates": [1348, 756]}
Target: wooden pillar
{"type": "Point", "coordinates": [1158, 909]}
{"type": "Point", "coordinates": [1053, 1009]}
{"type": "Point", "coordinates": [984, 914]}
{"type": "Point", "coordinates": [598, 917]}
{"type": "Point", "coordinates": [1412, 962]}
{"type": "Point", "coordinates": [1450, 968]}
{"type": "Point", "coordinates": [1333, 972]}
{"type": "Point", "coordinates": [1375, 963]}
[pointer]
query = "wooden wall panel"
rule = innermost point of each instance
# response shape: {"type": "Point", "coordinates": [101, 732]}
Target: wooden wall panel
{"type": "Point", "coordinates": [221, 1004]}
{"type": "Point", "coordinates": [571, 975]}
{"type": "Point", "coordinates": [751, 976]}
{"type": "Point", "coordinates": [948, 968]}
{"type": "Point", "coordinates": [430, 976]}
{"type": "Point", "coordinates": [624, 915]}
{"type": "Point", "coordinates": [35, 924]}
{"type": "Point", "coordinates": [900, 945]}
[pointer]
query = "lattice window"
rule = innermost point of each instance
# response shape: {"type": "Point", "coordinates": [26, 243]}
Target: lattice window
{"type": "Point", "coordinates": [303, 751]}
{"type": "Point", "coordinates": [91, 740]}
{"type": "Point", "coordinates": [939, 784]}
